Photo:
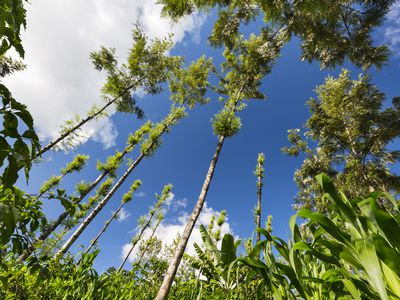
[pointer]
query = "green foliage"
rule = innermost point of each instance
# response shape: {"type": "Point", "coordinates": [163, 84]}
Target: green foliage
{"type": "Point", "coordinates": [188, 86]}
{"type": "Point", "coordinates": [141, 72]}
{"type": "Point", "coordinates": [225, 123]}
{"type": "Point", "coordinates": [77, 164]}
{"type": "Point", "coordinates": [149, 145]}
{"type": "Point", "coordinates": [350, 253]}
{"type": "Point", "coordinates": [21, 215]}
{"type": "Point", "coordinates": [51, 183]}
{"type": "Point", "coordinates": [352, 133]}
{"type": "Point", "coordinates": [17, 148]}
{"type": "Point", "coordinates": [82, 188]}
{"type": "Point", "coordinates": [129, 195]}
{"type": "Point", "coordinates": [328, 32]}
{"type": "Point", "coordinates": [8, 66]}
{"type": "Point", "coordinates": [8, 222]}
{"type": "Point", "coordinates": [12, 19]}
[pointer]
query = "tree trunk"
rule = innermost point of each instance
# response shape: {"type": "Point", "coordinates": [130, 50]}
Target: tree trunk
{"type": "Point", "coordinates": [147, 245]}
{"type": "Point", "coordinates": [82, 122]}
{"type": "Point", "coordinates": [98, 208]}
{"type": "Point", "coordinates": [174, 263]}
{"type": "Point", "coordinates": [103, 202]}
{"type": "Point", "coordinates": [49, 230]}
{"type": "Point", "coordinates": [258, 216]}
{"type": "Point", "coordinates": [138, 239]}
{"type": "Point", "coordinates": [104, 227]}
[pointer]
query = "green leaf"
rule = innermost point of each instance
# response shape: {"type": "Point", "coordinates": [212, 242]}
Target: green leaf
{"type": "Point", "coordinates": [352, 289]}
{"type": "Point", "coordinates": [228, 249]}
{"type": "Point", "coordinates": [8, 221]}
{"type": "Point", "coordinates": [10, 174]}
{"type": "Point", "coordinates": [10, 124]}
{"type": "Point", "coordinates": [370, 262]}
{"type": "Point", "coordinates": [325, 223]}
{"type": "Point", "coordinates": [338, 198]}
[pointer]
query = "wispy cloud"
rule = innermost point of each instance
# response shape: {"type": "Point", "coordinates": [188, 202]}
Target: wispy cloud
{"type": "Point", "coordinates": [123, 215]}
{"type": "Point", "coordinates": [140, 195]}
{"type": "Point", "coordinates": [392, 31]}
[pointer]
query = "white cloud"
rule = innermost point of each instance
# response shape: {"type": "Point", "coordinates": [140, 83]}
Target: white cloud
{"type": "Point", "coordinates": [60, 80]}
{"type": "Point", "coordinates": [394, 13]}
{"type": "Point", "coordinates": [179, 203]}
{"type": "Point", "coordinates": [123, 215]}
{"type": "Point", "coordinates": [392, 31]}
{"type": "Point", "coordinates": [167, 232]}
{"type": "Point", "coordinates": [140, 194]}
{"type": "Point", "coordinates": [169, 199]}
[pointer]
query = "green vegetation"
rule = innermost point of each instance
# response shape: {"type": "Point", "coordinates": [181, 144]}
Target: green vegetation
{"type": "Point", "coordinates": [348, 246]}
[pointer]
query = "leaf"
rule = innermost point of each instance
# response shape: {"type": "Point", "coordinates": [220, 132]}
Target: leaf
{"type": "Point", "coordinates": [370, 262]}
{"type": "Point", "coordinates": [338, 198]}
{"type": "Point", "coordinates": [208, 242]}
{"type": "Point", "coordinates": [10, 174]}
{"type": "Point", "coordinates": [228, 249]}
{"type": "Point", "coordinates": [8, 220]}
{"type": "Point", "coordinates": [384, 221]}
{"type": "Point", "coordinates": [325, 223]}
{"type": "Point", "coordinates": [10, 124]}
{"type": "Point", "coordinates": [352, 289]}
{"type": "Point", "coordinates": [294, 228]}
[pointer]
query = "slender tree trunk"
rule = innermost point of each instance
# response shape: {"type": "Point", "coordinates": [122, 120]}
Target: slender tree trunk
{"type": "Point", "coordinates": [82, 122]}
{"type": "Point", "coordinates": [50, 229]}
{"type": "Point", "coordinates": [147, 245]}
{"type": "Point", "coordinates": [174, 263]}
{"type": "Point", "coordinates": [258, 216]}
{"type": "Point", "coordinates": [98, 208]}
{"type": "Point", "coordinates": [93, 242]}
{"type": "Point", "coordinates": [45, 191]}
{"type": "Point", "coordinates": [137, 240]}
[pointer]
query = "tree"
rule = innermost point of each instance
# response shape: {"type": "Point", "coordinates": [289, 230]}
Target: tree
{"type": "Point", "coordinates": [188, 87]}
{"type": "Point", "coordinates": [259, 173]}
{"type": "Point", "coordinates": [352, 135]}
{"type": "Point", "coordinates": [244, 67]}
{"type": "Point", "coordinates": [147, 243]}
{"type": "Point", "coordinates": [147, 67]}
{"type": "Point", "coordinates": [329, 31]}
{"type": "Point", "coordinates": [125, 199]}
{"type": "Point", "coordinates": [146, 221]}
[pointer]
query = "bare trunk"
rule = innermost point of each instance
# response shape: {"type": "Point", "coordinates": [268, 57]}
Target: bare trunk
{"type": "Point", "coordinates": [98, 208]}
{"type": "Point", "coordinates": [82, 122]}
{"type": "Point", "coordinates": [147, 245]}
{"type": "Point", "coordinates": [138, 239]}
{"type": "Point", "coordinates": [258, 216]}
{"type": "Point", "coordinates": [104, 227]}
{"type": "Point", "coordinates": [49, 230]}
{"type": "Point", "coordinates": [174, 263]}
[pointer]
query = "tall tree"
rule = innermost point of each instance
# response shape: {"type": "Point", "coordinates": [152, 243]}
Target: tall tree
{"type": "Point", "coordinates": [147, 220]}
{"type": "Point", "coordinates": [160, 218]}
{"type": "Point", "coordinates": [329, 31]}
{"type": "Point", "coordinates": [244, 67]}
{"type": "Point", "coordinates": [352, 134]}
{"type": "Point", "coordinates": [107, 168]}
{"type": "Point", "coordinates": [188, 86]}
{"type": "Point", "coordinates": [147, 67]}
{"type": "Point", "coordinates": [125, 199]}
{"type": "Point", "coordinates": [259, 173]}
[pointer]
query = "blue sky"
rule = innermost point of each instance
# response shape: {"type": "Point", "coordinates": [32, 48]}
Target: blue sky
{"type": "Point", "coordinates": [184, 156]}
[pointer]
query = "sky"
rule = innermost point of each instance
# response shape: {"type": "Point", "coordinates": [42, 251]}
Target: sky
{"type": "Point", "coordinates": [60, 82]}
